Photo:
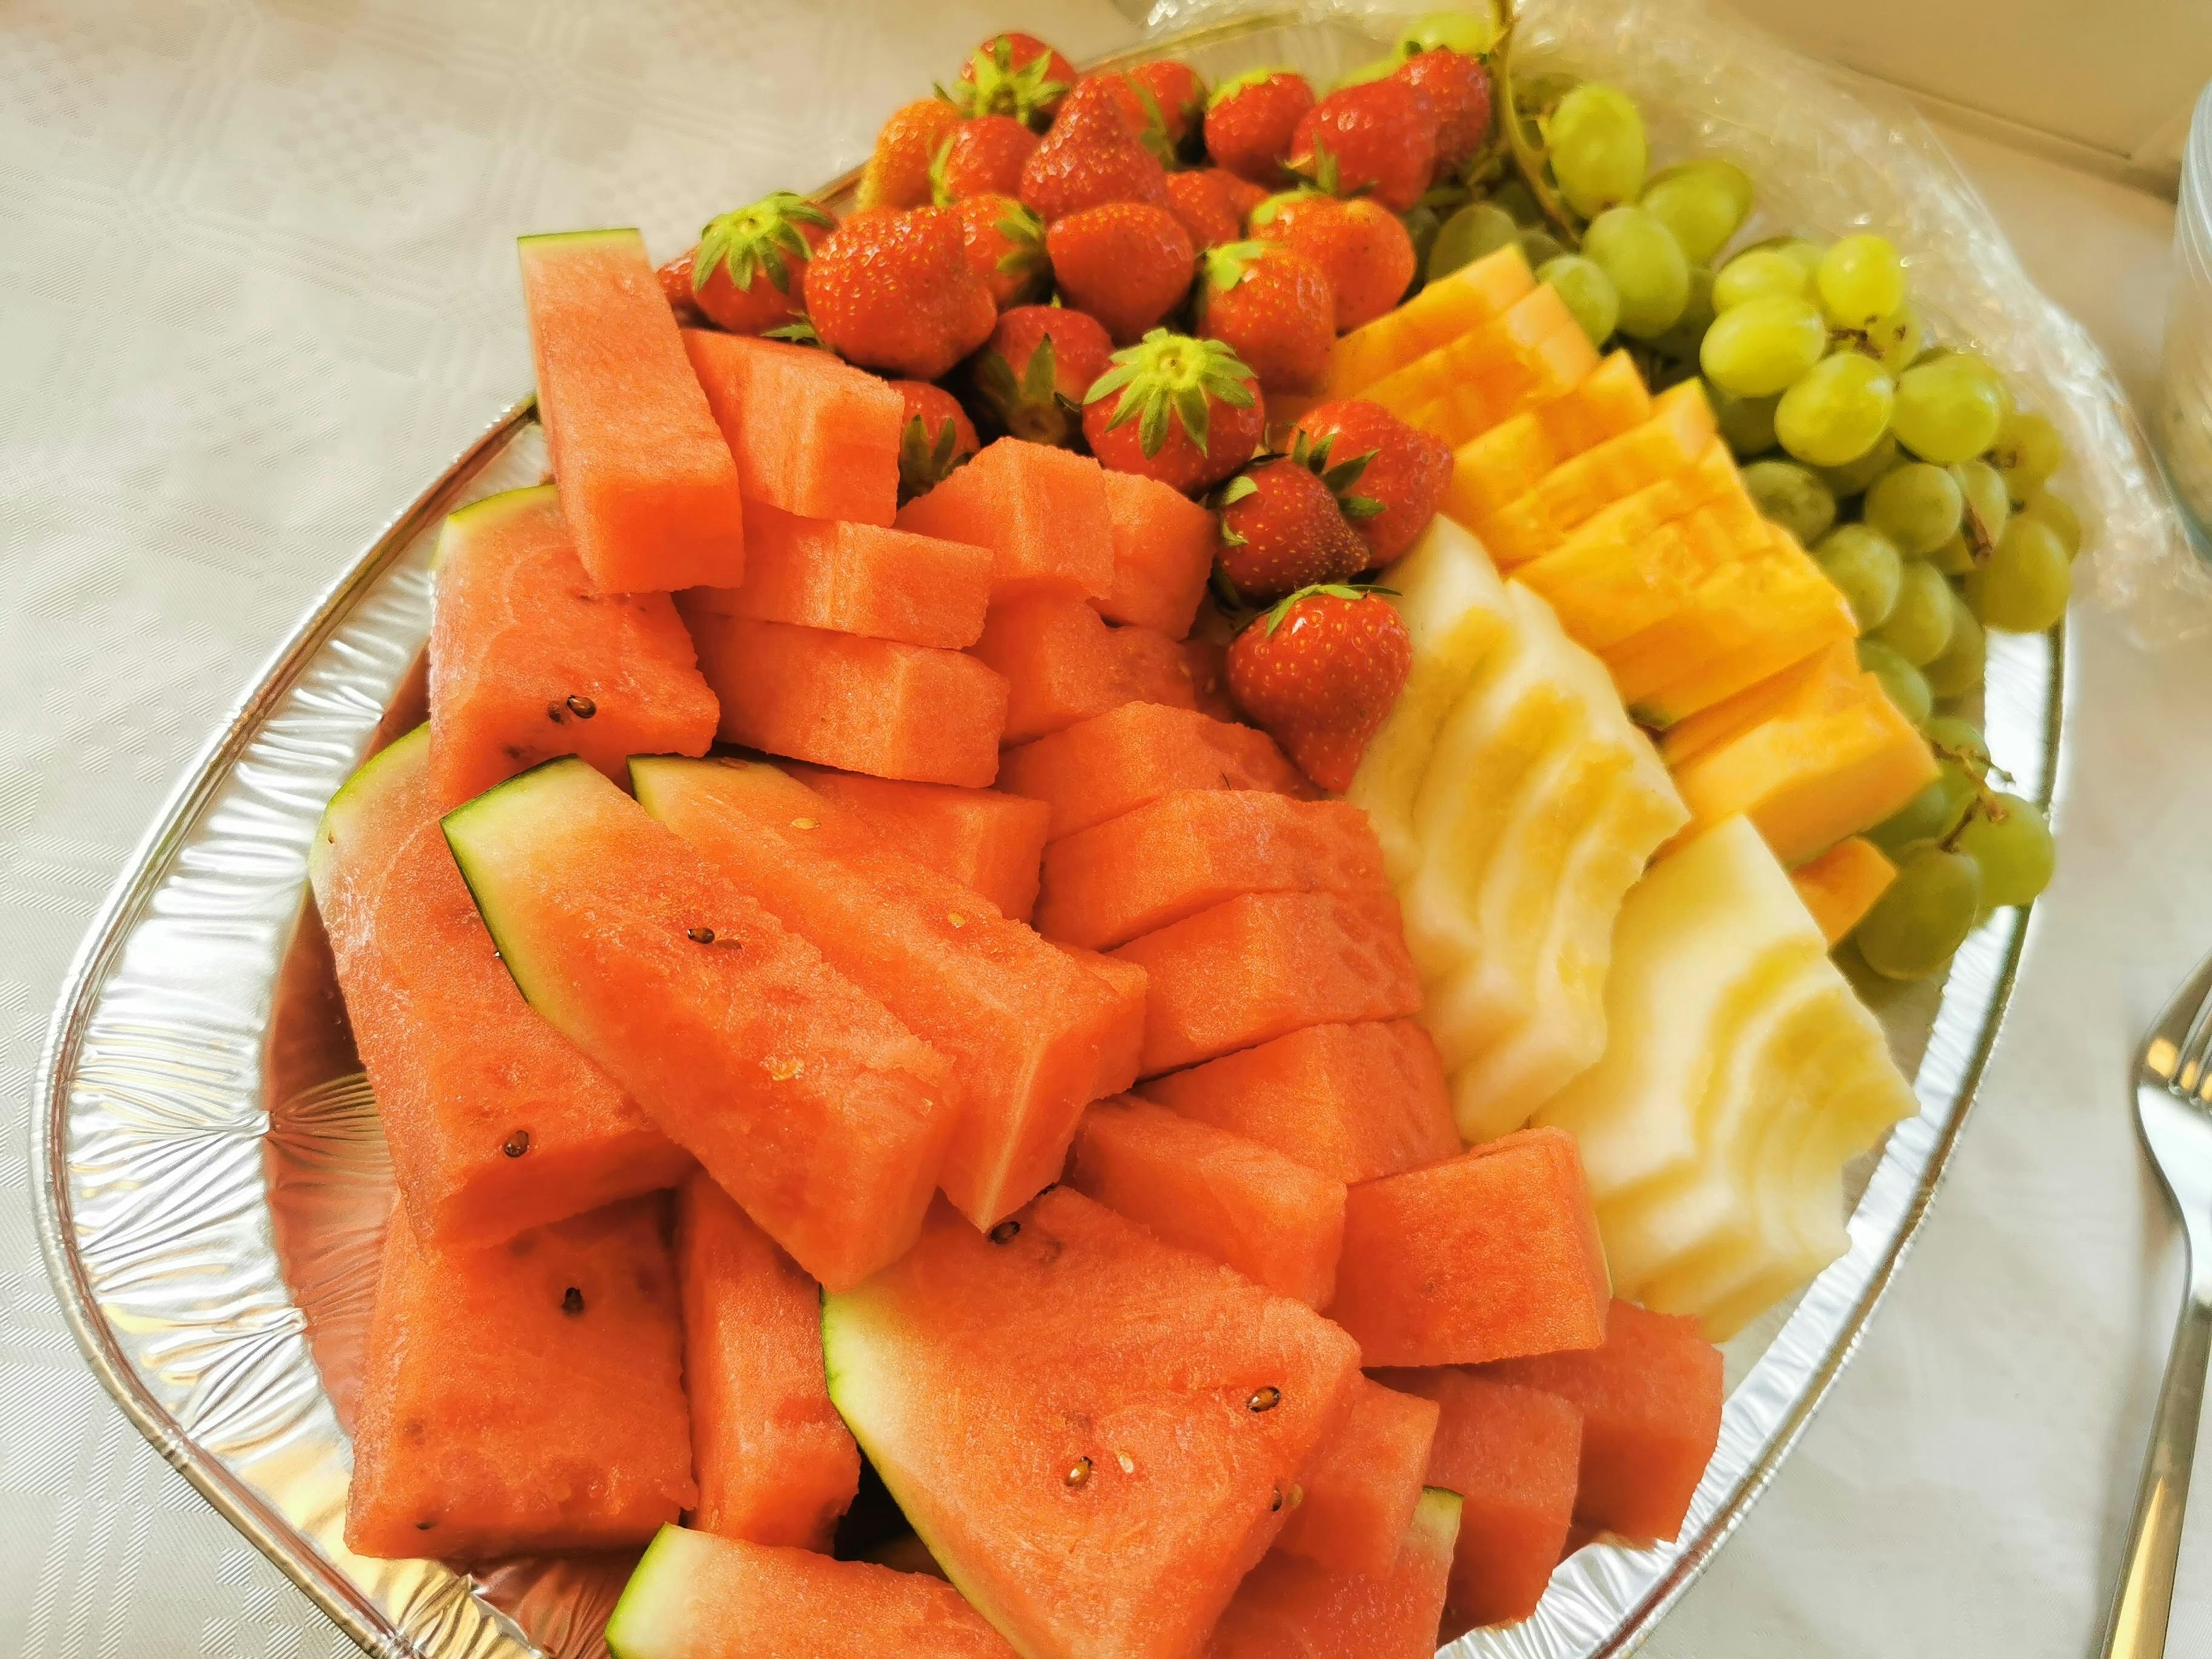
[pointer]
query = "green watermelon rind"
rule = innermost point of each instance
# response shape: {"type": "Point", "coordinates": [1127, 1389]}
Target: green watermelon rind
{"type": "Point", "coordinates": [338, 818]}
{"type": "Point", "coordinates": [552, 241]}
{"type": "Point", "coordinates": [481, 514]}
{"type": "Point", "coordinates": [646, 1622]}
{"type": "Point", "coordinates": [1436, 1522]}
{"type": "Point", "coordinates": [475, 831]}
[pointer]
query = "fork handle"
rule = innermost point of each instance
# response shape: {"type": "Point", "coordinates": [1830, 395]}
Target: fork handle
{"type": "Point", "coordinates": [2136, 1628]}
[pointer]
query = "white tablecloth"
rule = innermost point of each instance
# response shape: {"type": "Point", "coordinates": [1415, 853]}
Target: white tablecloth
{"type": "Point", "coordinates": [259, 287]}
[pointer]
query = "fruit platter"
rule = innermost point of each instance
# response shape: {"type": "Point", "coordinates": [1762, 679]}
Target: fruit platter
{"type": "Point", "coordinates": [1214, 871]}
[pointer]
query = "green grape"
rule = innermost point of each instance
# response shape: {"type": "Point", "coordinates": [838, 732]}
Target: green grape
{"type": "Point", "coordinates": [1517, 199]}
{"type": "Point", "coordinates": [1988, 371]}
{"type": "Point", "coordinates": [1902, 683]}
{"type": "Point", "coordinates": [1682, 341]}
{"type": "Point", "coordinates": [1837, 411]}
{"type": "Point", "coordinates": [2023, 586]}
{"type": "Point", "coordinates": [1422, 222]}
{"type": "Point", "coordinates": [2052, 512]}
{"type": "Point", "coordinates": [1946, 410]}
{"type": "Point", "coordinates": [1919, 626]}
{"type": "Point", "coordinates": [1763, 345]}
{"type": "Point", "coordinates": [1595, 138]}
{"type": "Point", "coordinates": [2010, 840]}
{"type": "Point", "coordinates": [1473, 31]}
{"type": "Point", "coordinates": [1959, 669]}
{"type": "Point", "coordinates": [1588, 292]}
{"type": "Point", "coordinates": [1646, 265]}
{"type": "Point", "coordinates": [1747, 423]}
{"type": "Point", "coordinates": [1923, 917]}
{"type": "Point", "coordinates": [1916, 505]}
{"type": "Point", "coordinates": [1808, 254]}
{"type": "Point", "coordinates": [1959, 740]}
{"type": "Point", "coordinates": [1933, 813]}
{"type": "Point", "coordinates": [1854, 476]}
{"type": "Point", "coordinates": [1955, 557]}
{"type": "Point", "coordinates": [1988, 506]}
{"type": "Point", "coordinates": [1863, 563]}
{"type": "Point", "coordinates": [1860, 281]}
{"type": "Point", "coordinates": [1702, 201]}
{"type": "Point", "coordinates": [1788, 495]}
{"type": "Point", "coordinates": [1761, 271]}
{"type": "Point", "coordinates": [2028, 450]}
{"type": "Point", "coordinates": [1375, 68]}
{"type": "Point", "coordinates": [1894, 340]}
{"type": "Point", "coordinates": [1540, 247]}
{"type": "Point", "coordinates": [1478, 229]}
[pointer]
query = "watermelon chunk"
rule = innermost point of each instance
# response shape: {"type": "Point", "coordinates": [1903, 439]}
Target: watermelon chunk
{"type": "Point", "coordinates": [1650, 1400]}
{"type": "Point", "coordinates": [696, 1597]}
{"type": "Point", "coordinates": [1092, 1431]}
{"type": "Point", "coordinates": [1261, 966]}
{"type": "Point", "coordinates": [872, 706]}
{"type": "Point", "coordinates": [1492, 1255]}
{"type": "Point", "coordinates": [1191, 850]}
{"type": "Point", "coordinates": [1063, 663]}
{"type": "Point", "coordinates": [497, 1122]}
{"type": "Point", "coordinates": [775, 1461]}
{"type": "Point", "coordinates": [811, 434]}
{"type": "Point", "coordinates": [1232, 1201]}
{"type": "Point", "coordinates": [812, 1106]}
{"type": "Point", "coordinates": [1364, 1483]}
{"type": "Point", "coordinates": [1132, 988]}
{"type": "Point", "coordinates": [1163, 546]}
{"type": "Point", "coordinates": [1510, 1454]}
{"type": "Point", "coordinates": [1290, 1607]}
{"type": "Point", "coordinates": [1355, 1101]}
{"type": "Point", "coordinates": [983, 839]}
{"type": "Point", "coordinates": [1033, 1036]}
{"type": "Point", "coordinates": [855, 579]}
{"type": "Point", "coordinates": [1116, 763]}
{"type": "Point", "coordinates": [649, 485]}
{"type": "Point", "coordinates": [527, 662]}
{"type": "Point", "coordinates": [1041, 511]}
{"type": "Point", "coordinates": [461, 1449]}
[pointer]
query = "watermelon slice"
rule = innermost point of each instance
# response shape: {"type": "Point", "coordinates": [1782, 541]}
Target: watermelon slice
{"type": "Point", "coordinates": [812, 434]}
{"type": "Point", "coordinates": [1362, 1487]}
{"type": "Point", "coordinates": [775, 1463]}
{"type": "Point", "coordinates": [527, 662]}
{"type": "Point", "coordinates": [1041, 511]}
{"type": "Point", "coordinates": [460, 1450]}
{"type": "Point", "coordinates": [1163, 546]}
{"type": "Point", "coordinates": [496, 1122]}
{"type": "Point", "coordinates": [1093, 1432]}
{"type": "Point", "coordinates": [1355, 1101]}
{"type": "Point", "coordinates": [1032, 1034]}
{"type": "Point", "coordinates": [696, 1597]}
{"type": "Point", "coordinates": [1062, 663]}
{"type": "Point", "coordinates": [1116, 763]}
{"type": "Point", "coordinates": [649, 485]}
{"type": "Point", "coordinates": [1230, 1200]}
{"type": "Point", "coordinates": [872, 706]}
{"type": "Point", "coordinates": [983, 839]}
{"type": "Point", "coordinates": [812, 1106]}
{"type": "Point", "coordinates": [1291, 1608]}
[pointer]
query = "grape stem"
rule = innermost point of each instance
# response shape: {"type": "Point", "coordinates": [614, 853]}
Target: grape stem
{"type": "Point", "coordinates": [1529, 157]}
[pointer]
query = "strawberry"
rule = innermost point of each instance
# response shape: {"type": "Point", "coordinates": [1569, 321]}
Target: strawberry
{"type": "Point", "coordinates": [1282, 530]}
{"type": "Point", "coordinates": [1250, 122]}
{"type": "Point", "coordinates": [1274, 307]}
{"type": "Point", "coordinates": [1242, 194]}
{"type": "Point", "coordinates": [1188, 412]}
{"type": "Point", "coordinates": [1379, 137]}
{"type": "Point", "coordinates": [1458, 89]}
{"type": "Point", "coordinates": [1178, 94]}
{"type": "Point", "coordinates": [748, 274]}
{"type": "Point", "coordinates": [676, 287]}
{"type": "Point", "coordinates": [1405, 472]}
{"type": "Point", "coordinates": [1031, 374]}
{"type": "Point", "coordinates": [1139, 112]}
{"type": "Point", "coordinates": [1015, 75]}
{"type": "Point", "coordinates": [981, 157]}
{"type": "Point", "coordinates": [1005, 247]}
{"type": "Point", "coordinates": [1201, 208]}
{"type": "Point", "coordinates": [897, 173]}
{"type": "Point", "coordinates": [893, 291]}
{"type": "Point", "coordinates": [1320, 673]}
{"type": "Point", "coordinates": [937, 439]}
{"type": "Point", "coordinates": [1363, 246]}
{"type": "Point", "coordinates": [1090, 158]}
{"type": "Point", "coordinates": [1129, 264]}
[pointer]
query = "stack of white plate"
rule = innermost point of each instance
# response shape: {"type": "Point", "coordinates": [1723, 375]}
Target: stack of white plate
{"type": "Point", "coordinates": [2182, 424]}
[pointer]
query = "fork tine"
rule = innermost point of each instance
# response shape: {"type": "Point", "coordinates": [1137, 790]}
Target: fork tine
{"type": "Point", "coordinates": [2181, 1033]}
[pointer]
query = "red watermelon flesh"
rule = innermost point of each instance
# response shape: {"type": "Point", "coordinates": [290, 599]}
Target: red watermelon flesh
{"type": "Point", "coordinates": [856, 579]}
{"type": "Point", "coordinates": [1293, 1609]}
{"type": "Point", "coordinates": [528, 662]}
{"type": "Point", "coordinates": [496, 1121]}
{"type": "Point", "coordinates": [1163, 548]}
{"type": "Point", "coordinates": [812, 434]}
{"type": "Point", "coordinates": [696, 1597]}
{"type": "Point", "coordinates": [522, 1397]}
{"type": "Point", "coordinates": [650, 487]}
{"type": "Point", "coordinates": [815, 1108]}
{"type": "Point", "coordinates": [775, 1463]}
{"type": "Point", "coordinates": [1041, 511]}
{"type": "Point", "coordinates": [872, 706]}
{"type": "Point", "coordinates": [1031, 1034]}
{"type": "Point", "coordinates": [1510, 1454]}
{"type": "Point", "coordinates": [1650, 1400]}
{"type": "Point", "coordinates": [1355, 1101]}
{"type": "Point", "coordinates": [1261, 966]}
{"type": "Point", "coordinates": [1232, 1201]}
{"type": "Point", "coordinates": [1116, 763]}
{"type": "Point", "coordinates": [1094, 1432]}
{"type": "Point", "coordinates": [1490, 1255]}
{"type": "Point", "coordinates": [1364, 1481]}
{"type": "Point", "coordinates": [1132, 988]}
{"type": "Point", "coordinates": [1062, 663]}
{"type": "Point", "coordinates": [982, 839]}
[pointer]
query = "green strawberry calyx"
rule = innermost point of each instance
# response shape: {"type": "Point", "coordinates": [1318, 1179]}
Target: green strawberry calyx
{"type": "Point", "coordinates": [1265, 213]}
{"type": "Point", "coordinates": [1321, 170]}
{"type": "Point", "coordinates": [1172, 379]}
{"type": "Point", "coordinates": [1023, 233]}
{"type": "Point", "coordinates": [1224, 91]}
{"type": "Point", "coordinates": [1230, 263]}
{"type": "Point", "coordinates": [1341, 476]}
{"type": "Point", "coordinates": [1029, 404]}
{"type": "Point", "coordinates": [994, 85]}
{"type": "Point", "coordinates": [1280, 611]}
{"type": "Point", "coordinates": [762, 240]}
{"type": "Point", "coordinates": [924, 464]}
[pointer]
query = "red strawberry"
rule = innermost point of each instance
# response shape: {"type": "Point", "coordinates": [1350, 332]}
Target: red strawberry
{"type": "Point", "coordinates": [1199, 206]}
{"type": "Point", "coordinates": [893, 291]}
{"type": "Point", "coordinates": [1320, 673]}
{"type": "Point", "coordinates": [1379, 137]}
{"type": "Point", "coordinates": [897, 173]}
{"type": "Point", "coordinates": [1458, 89]}
{"type": "Point", "coordinates": [1282, 530]}
{"type": "Point", "coordinates": [1032, 374]}
{"type": "Point", "coordinates": [1129, 264]}
{"type": "Point", "coordinates": [1140, 114]}
{"type": "Point", "coordinates": [748, 274]}
{"type": "Point", "coordinates": [676, 286]}
{"type": "Point", "coordinates": [1005, 247]}
{"type": "Point", "coordinates": [1178, 94]}
{"type": "Point", "coordinates": [1274, 307]}
{"type": "Point", "coordinates": [1242, 194]}
{"type": "Point", "coordinates": [1406, 472]}
{"type": "Point", "coordinates": [1015, 75]}
{"type": "Point", "coordinates": [938, 438]}
{"type": "Point", "coordinates": [1362, 246]}
{"type": "Point", "coordinates": [1184, 411]}
{"type": "Point", "coordinates": [1250, 122]}
{"type": "Point", "coordinates": [1090, 158]}
{"type": "Point", "coordinates": [981, 157]}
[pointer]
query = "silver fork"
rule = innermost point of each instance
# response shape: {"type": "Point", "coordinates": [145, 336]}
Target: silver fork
{"type": "Point", "coordinates": [2174, 1108]}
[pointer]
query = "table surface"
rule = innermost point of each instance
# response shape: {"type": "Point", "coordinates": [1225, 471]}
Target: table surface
{"type": "Point", "coordinates": [259, 289]}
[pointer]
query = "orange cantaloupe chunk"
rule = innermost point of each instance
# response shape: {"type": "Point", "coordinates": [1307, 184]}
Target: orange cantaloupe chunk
{"type": "Point", "coordinates": [1360, 1489]}
{"type": "Point", "coordinates": [1605, 588]}
{"type": "Point", "coordinates": [1732, 717]}
{"type": "Point", "coordinates": [1440, 313]}
{"type": "Point", "coordinates": [812, 434]}
{"type": "Point", "coordinates": [1519, 355]}
{"type": "Point", "coordinates": [1841, 885]}
{"type": "Point", "coordinates": [856, 579]}
{"type": "Point", "coordinates": [1510, 458]}
{"type": "Point", "coordinates": [1043, 512]}
{"type": "Point", "coordinates": [981, 838]}
{"type": "Point", "coordinates": [1062, 663]}
{"type": "Point", "coordinates": [1102, 768]}
{"type": "Point", "coordinates": [1163, 547]}
{"type": "Point", "coordinates": [1503, 379]}
{"type": "Point", "coordinates": [1620, 527]}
